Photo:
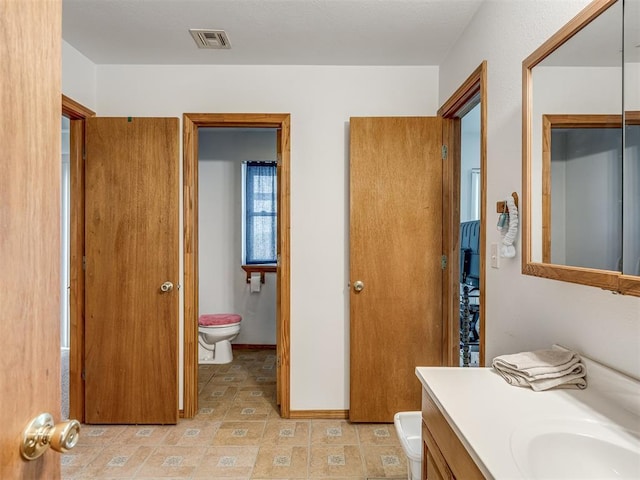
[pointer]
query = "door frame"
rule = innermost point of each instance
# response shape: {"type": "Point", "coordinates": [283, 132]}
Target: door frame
{"type": "Point", "coordinates": [77, 113]}
{"type": "Point", "coordinates": [475, 86]}
{"type": "Point", "coordinates": [191, 123]}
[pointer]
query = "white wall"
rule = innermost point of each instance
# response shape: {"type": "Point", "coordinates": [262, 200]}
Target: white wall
{"type": "Point", "coordinates": [320, 100]}
{"type": "Point", "coordinates": [223, 286]}
{"type": "Point", "coordinates": [524, 312]}
{"type": "Point", "coordinates": [78, 77]}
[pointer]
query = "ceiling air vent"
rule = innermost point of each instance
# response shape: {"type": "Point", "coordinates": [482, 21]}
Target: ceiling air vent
{"type": "Point", "coordinates": [210, 38]}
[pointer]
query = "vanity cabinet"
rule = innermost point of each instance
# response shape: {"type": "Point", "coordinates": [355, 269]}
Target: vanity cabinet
{"type": "Point", "coordinates": [444, 456]}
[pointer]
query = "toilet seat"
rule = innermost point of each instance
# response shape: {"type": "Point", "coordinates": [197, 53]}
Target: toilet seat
{"type": "Point", "coordinates": [218, 319]}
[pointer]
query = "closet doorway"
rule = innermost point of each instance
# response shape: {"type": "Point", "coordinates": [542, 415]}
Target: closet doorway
{"type": "Point", "coordinates": [192, 122]}
{"type": "Point", "coordinates": [76, 114]}
{"type": "Point", "coordinates": [464, 212]}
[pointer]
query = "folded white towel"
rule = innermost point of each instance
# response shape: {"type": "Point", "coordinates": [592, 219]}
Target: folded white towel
{"type": "Point", "coordinates": [542, 369]}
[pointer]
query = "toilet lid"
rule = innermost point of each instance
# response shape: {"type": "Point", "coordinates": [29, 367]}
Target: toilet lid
{"type": "Point", "coordinates": [216, 319]}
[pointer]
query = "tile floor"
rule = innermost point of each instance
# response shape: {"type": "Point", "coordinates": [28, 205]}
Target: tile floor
{"type": "Point", "coordinates": [238, 434]}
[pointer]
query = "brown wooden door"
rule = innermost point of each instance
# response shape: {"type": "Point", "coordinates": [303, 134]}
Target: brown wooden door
{"type": "Point", "coordinates": [131, 235]}
{"type": "Point", "coordinates": [395, 251]}
{"type": "Point", "coordinates": [29, 229]}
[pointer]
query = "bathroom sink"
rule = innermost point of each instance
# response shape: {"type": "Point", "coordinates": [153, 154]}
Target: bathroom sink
{"type": "Point", "coordinates": [577, 449]}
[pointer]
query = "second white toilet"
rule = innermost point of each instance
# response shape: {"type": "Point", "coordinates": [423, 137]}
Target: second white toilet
{"type": "Point", "coordinates": [409, 429]}
{"type": "Point", "coordinates": [215, 332]}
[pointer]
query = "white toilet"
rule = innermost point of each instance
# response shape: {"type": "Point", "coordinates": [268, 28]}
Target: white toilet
{"type": "Point", "coordinates": [215, 332]}
{"type": "Point", "coordinates": [409, 429]}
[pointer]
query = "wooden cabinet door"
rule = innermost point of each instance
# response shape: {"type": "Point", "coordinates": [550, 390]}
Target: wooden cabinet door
{"type": "Point", "coordinates": [395, 250]}
{"type": "Point", "coordinates": [131, 245]}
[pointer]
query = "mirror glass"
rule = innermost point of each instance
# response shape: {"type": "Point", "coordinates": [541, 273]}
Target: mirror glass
{"type": "Point", "coordinates": [576, 166]}
{"type": "Point", "coordinates": [631, 182]}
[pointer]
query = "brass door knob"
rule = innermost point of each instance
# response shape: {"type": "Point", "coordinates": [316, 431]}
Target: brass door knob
{"type": "Point", "coordinates": [358, 286]}
{"type": "Point", "coordinates": [42, 433]}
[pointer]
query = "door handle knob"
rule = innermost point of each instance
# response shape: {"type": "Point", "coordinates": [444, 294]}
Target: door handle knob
{"type": "Point", "coordinates": [42, 433]}
{"type": "Point", "coordinates": [358, 286]}
{"type": "Point", "coordinates": [166, 287]}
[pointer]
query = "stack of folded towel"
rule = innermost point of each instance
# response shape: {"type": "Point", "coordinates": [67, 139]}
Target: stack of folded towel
{"type": "Point", "coordinates": [542, 369]}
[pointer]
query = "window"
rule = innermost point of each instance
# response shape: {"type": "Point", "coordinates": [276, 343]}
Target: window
{"type": "Point", "coordinates": [260, 212]}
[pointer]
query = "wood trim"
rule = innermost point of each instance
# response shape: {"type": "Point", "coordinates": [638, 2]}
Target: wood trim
{"type": "Point", "coordinates": [474, 87]}
{"type": "Point", "coordinates": [606, 279]}
{"type": "Point", "coordinates": [319, 414]}
{"type": "Point", "coordinates": [599, 278]}
{"type": "Point", "coordinates": [190, 266]}
{"type": "Point", "coordinates": [191, 123]}
{"type": "Point", "coordinates": [581, 20]}
{"type": "Point", "coordinates": [546, 189]}
{"type": "Point", "coordinates": [284, 265]}
{"type": "Point", "coordinates": [77, 113]}
{"type": "Point", "coordinates": [252, 346]}
{"type": "Point", "coordinates": [74, 110]}
{"type": "Point", "coordinates": [525, 197]}
{"type": "Point", "coordinates": [585, 276]}
{"type": "Point", "coordinates": [464, 93]}
{"type": "Point", "coordinates": [451, 243]}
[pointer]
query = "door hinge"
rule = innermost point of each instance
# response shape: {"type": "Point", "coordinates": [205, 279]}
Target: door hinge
{"type": "Point", "coordinates": [278, 361]}
{"type": "Point", "coordinates": [445, 150]}
{"type": "Point", "coordinates": [84, 374]}
{"type": "Point", "coordinates": [84, 262]}
{"type": "Point", "coordinates": [443, 262]}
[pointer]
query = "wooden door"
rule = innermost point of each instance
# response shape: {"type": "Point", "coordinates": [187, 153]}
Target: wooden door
{"type": "Point", "coordinates": [30, 40]}
{"type": "Point", "coordinates": [131, 249]}
{"type": "Point", "coordinates": [395, 251]}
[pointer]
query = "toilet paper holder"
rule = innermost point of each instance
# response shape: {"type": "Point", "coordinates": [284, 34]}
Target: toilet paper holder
{"type": "Point", "coordinates": [261, 269]}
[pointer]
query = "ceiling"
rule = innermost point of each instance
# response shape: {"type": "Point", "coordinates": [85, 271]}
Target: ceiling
{"type": "Point", "coordinates": [267, 32]}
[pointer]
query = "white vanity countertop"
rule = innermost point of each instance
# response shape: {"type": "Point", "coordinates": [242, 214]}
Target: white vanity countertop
{"type": "Point", "coordinates": [484, 410]}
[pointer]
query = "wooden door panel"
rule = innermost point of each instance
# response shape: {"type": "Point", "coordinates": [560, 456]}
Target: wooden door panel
{"type": "Point", "coordinates": [29, 228]}
{"type": "Point", "coordinates": [131, 229]}
{"type": "Point", "coordinates": [395, 250]}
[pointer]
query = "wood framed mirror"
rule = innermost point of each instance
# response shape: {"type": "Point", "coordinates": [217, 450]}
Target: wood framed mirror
{"type": "Point", "coordinates": [581, 180]}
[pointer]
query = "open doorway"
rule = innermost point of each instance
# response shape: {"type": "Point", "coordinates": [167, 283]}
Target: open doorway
{"type": "Point", "coordinates": [65, 224]}
{"type": "Point", "coordinates": [237, 226]}
{"type": "Point", "coordinates": [192, 123]}
{"type": "Point", "coordinates": [72, 287]}
{"type": "Point", "coordinates": [464, 214]}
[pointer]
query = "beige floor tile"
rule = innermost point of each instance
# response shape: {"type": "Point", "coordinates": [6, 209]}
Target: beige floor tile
{"type": "Point", "coordinates": [172, 462]}
{"type": "Point", "coordinates": [335, 461]}
{"type": "Point", "coordinates": [218, 393]}
{"type": "Point", "coordinates": [228, 379]}
{"type": "Point", "coordinates": [142, 435]}
{"type": "Point", "coordinates": [239, 433]}
{"type": "Point", "coordinates": [286, 432]}
{"type": "Point", "coordinates": [247, 412]}
{"type": "Point", "coordinates": [117, 461]}
{"type": "Point", "coordinates": [333, 432]}
{"type": "Point", "coordinates": [378, 434]}
{"type": "Point", "coordinates": [192, 433]}
{"type": "Point", "coordinates": [282, 461]}
{"type": "Point", "coordinates": [225, 462]}
{"type": "Point", "coordinates": [99, 434]}
{"type": "Point", "coordinates": [75, 460]}
{"type": "Point", "coordinates": [255, 392]}
{"type": "Point", "coordinates": [211, 410]}
{"type": "Point", "coordinates": [384, 460]}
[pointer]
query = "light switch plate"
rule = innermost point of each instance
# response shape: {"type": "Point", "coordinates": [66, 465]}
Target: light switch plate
{"type": "Point", "coordinates": [495, 256]}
